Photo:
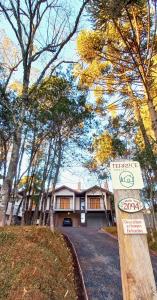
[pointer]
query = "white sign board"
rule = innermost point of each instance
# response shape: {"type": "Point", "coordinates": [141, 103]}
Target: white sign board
{"type": "Point", "coordinates": [83, 218]}
{"type": "Point", "coordinates": [134, 226]}
{"type": "Point", "coordinates": [130, 205]}
{"type": "Point", "coordinates": [126, 175]}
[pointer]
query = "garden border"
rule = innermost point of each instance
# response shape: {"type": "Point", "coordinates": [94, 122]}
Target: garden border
{"type": "Point", "coordinates": [79, 269]}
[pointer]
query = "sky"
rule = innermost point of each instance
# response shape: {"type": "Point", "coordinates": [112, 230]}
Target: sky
{"type": "Point", "coordinates": [75, 173]}
{"type": "Point", "coordinates": [68, 52]}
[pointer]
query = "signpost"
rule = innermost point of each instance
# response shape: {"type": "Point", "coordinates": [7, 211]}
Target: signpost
{"type": "Point", "coordinates": [136, 270]}
{"type": "Point", "coordinates": [126, 175]}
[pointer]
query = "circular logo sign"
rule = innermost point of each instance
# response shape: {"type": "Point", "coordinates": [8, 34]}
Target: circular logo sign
{"type": "Point", "coordinates": [130, 205]}
{"type": "Point", "coordinates": [126, 179]}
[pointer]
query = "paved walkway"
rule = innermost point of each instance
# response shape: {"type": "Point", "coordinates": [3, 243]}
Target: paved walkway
{"type": "Point", "coordinates": [99, 260]}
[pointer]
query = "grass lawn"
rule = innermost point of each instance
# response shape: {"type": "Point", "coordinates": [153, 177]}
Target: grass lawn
{"type": "Point", "coordinates": [35, 264]}
{"type": "Point", "coordinates": [153, 246]}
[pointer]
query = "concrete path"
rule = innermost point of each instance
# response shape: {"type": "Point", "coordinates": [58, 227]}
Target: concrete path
{"type": "Point", "coordinates": [99, 259]}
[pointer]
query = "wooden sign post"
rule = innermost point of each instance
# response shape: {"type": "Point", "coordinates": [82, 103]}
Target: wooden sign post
{"type": "Point", "coordinates": [138, 281]}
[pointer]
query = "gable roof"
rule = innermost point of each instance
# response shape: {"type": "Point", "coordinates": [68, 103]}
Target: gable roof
{"type": "Point", "coordinates": [96, 187]}
{"type": "Point", "coordinates": [65, 187]}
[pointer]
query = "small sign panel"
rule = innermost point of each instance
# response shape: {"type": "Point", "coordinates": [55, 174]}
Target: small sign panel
{"type": "Point", "coordinates": [134, 226]}
{"type": "Point", "coordinates": [83, 218]}
{"type": "Point", "coordinates": [126, 175]}
{"type": "Point", "coordinates": [130, 205]}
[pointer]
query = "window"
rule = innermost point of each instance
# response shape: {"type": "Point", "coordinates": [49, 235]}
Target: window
{"type": "Point", "coordinates": [64, 203]}
{"type": "Point", "coordinates": [94, 203]}
{"type": "Point", "coordinates": [82, 204]}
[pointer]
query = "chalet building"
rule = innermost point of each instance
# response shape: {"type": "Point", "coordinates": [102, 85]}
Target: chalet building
{"type": "Point", "coordinates": [91, 207]}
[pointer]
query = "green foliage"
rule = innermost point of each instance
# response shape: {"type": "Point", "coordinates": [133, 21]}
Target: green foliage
{"type": "Point", "coordinates": [127, 32]}
{"type": "Point", "coordinates": [145, 157]}
{"type": "Point", "coordinates": [103, 10]}
{"type": "Point", "coordinates": [89, 44]}
{"type": "Point", "coordinates": [57, 103]}
{"type": "Point", "coordinates": [118, 146]}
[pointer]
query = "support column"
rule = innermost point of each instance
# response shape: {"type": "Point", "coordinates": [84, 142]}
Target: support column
{"type": "Point", "coordinates": [54, 202]}
{"type": "Point", "coordinates": [73, 202]}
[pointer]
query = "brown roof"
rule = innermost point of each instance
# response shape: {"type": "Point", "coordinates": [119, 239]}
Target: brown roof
{"type": "Point", "coordinates": [99, 188]}
{"type": "Point", "coordinates": [65, 187]}
{"type": "Point", "coordinates": [82, 191]}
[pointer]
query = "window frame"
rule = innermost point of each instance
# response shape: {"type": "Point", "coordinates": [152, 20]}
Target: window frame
{"type": "Point", "coordinates": [94, 203]}
{"type": "Point", "coordinates": [64, 203]}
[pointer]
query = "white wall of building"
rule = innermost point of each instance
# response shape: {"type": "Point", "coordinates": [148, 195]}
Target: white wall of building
{"type": "Point", "coordinates": [77, 203]}
{"type": "Point", "coordinates": [64, 192]}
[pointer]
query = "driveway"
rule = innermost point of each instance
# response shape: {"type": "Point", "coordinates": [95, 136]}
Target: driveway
{"type": "Point", "coordinates": [99, 259]}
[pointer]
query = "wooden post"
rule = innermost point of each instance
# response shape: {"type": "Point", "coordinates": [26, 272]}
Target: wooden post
{"type": "Point", "coordinates": [138, 281]}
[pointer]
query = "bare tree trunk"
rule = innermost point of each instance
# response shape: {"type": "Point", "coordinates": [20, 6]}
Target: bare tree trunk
{"type": "Point", "coordinates": [17, 212]}
{"type": "Point", "coordinates": [150, 229]}
{"type": "Point", "coordinates": [52, 218]}
{"type": "Point", "coordinates": [154, 219]}
{"type": "Point", "coordinates": [8, 181]}
{"type": "Point", "coordinates": [151, 198]}
{"type": "Point", "coordinates": [107, 218]}
{"type": "Point", "coordinates": [44, 178]}
{"type": "Point", "coordinates": [44, 212]}
{"type": "Point", "coordinates": [23, 209]}
{"type": "Point", "coordinates": [11, 214]}
{"type": "Point", "coordinates": [21, 155]}
{"type": "Point", "coordinates": [51, 213]}
{"type": "Point", "coordinates": [148, 146]}
{"type": "Point", "coordinates": [153, 212]}
{"type": "Point", "coordinates": [41, 210]}
{"type": "Point", "coordinates": [136, 56]}
{"type": "Point", "coordinates": [153, 113]}
{"type": "Point", "coordinates": [25, 33]}
{"type": "Point", "coordinates": [5, 160]}
{"type": "Point", "coordinates": [32, 156]}
{"type": "Point", "coordinates": [36, 212]}
{"type": "Point", "coordinates": [47, 174]}
{"type": "Point", "coordinates": [54, 185]}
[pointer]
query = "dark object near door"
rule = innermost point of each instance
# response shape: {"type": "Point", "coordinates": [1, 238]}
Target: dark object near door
{"type": "Point", "coordinates": [67, 222]}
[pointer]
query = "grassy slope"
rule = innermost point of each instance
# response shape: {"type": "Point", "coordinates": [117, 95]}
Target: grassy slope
{"type": "Point", "coordinates": [152, 246]}
{"type": "Point", "coordinates": [35, 264]}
